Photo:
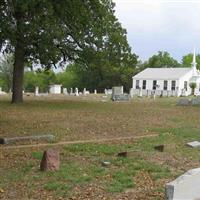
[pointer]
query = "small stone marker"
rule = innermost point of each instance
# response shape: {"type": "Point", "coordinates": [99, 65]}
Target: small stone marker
{"type": "Point", "coordinates": [185, 187]}
{"type": "Point", "coordinates": [159, 148]}
{"type": "Point", "coordinates": [193, 144]}
{"type": "Point", "coordinates": [122, 154]}
{"type": "Point", "coordinates": [50, 160]}
{"type": "Point", "coordinates": [27, 138]}
{"type": "Point", "coordinates": [105, 163]}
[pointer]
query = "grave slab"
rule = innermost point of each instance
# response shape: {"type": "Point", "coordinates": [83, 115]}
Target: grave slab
{"type": "Point", "coordinates": [185, 187]}
{"type": "Point", "coordinates": [194, 144]}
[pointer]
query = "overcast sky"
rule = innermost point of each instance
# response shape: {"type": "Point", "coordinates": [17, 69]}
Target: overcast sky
{"type": "Point", "coordinates": [153, 25]}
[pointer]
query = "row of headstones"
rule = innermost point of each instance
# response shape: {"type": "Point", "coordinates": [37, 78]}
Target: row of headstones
{"type": "Point", "coordinates": [65, 92]}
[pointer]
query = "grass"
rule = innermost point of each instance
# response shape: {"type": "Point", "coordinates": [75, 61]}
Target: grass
{"type": "Point", "coordinates": [81, 174]}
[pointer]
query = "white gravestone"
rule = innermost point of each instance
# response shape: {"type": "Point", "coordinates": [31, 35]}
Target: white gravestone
{"type": "Point", "coordinates": [194, 144]}
{"type": "Point", "coordinates": [65, 92]}
{"type": "Point", "coordinates": [185, 187]}
{"type": "Point", "coordinates": [76, 92]}
{"type": "Point", "coordinates": [36, 91]}
{"type": "Point", "coordinates": [71, 91]}
{"type": "Point", "coordinates": [84, 91]}
{"type": "Point", "coordinates": [95, 91]}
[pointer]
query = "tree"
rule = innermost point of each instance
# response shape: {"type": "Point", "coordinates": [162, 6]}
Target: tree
{"type": "Point", "coordinates": [6, 71]}
{"type": "Point", "coordinates": [193, 86]}
{"type": "Point", "coordinates": [47, 32]}
{"type": "Point", "coordinates": [187, 60]}
{"type": "Point", "coordinates": [161, 59]}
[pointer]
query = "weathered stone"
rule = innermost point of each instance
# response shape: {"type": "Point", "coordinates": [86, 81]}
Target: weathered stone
{"type": "Point", "coordinates": [194, 144]}
{"type": "Point", "coordinates": [185, 187]}
{"type": "Point", "coordinates": [122, 154]}
{"type": "Point", "coordinates": [159, 148]}
{"type": "Point", "coordinates": [27, 138]}
{"type": "Point", "coordinates": [50, 160]}
{"type": "Point", "coordinates": [105, 163]}
{"type": "Point", "coordinates": [184, 102]}
{"type": "Point", "coordinates": [122, 97]}
{"type": "Point", "coordinates": [195, 101]}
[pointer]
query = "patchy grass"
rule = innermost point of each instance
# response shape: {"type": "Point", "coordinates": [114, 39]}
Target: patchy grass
{"type": "Point", "coordinates": [142, 175]}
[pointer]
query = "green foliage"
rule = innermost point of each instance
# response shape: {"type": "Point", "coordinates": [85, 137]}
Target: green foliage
{"type": "Point", "coordinates": [161, 59]}
{"type": "Point", "coordinates": [187, 60]}
{"type": "Point", "coordinates": [6, 72]}
{"type": "Point", "coordinates": [40, 78]}
{"type": "Point", "coordinates": [193, 86]}
{"type": "Point", "coordinates": [84, 32]}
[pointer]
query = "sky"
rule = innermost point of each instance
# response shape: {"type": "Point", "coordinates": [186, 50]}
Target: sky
{"type": "Point", "coordinates": [166, 25]}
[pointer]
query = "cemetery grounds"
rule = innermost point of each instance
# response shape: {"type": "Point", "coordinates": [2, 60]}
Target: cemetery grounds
{"type": "Point", "coordinates": [141, 175]}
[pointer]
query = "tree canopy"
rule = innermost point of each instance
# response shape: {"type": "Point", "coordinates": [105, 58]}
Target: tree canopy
{"type": "Point", "coordinates": [49, 32]}
{"type": "Point", "coordinates": [161, 59]}
{"type": "Point", "coordinates": [187, 60]}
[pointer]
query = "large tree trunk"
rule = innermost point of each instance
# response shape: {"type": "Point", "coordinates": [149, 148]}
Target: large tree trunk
{"type": "Point", "coordinates": [18, 74]}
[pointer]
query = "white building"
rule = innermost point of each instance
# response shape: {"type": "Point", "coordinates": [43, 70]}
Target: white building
{"type": "Point", "coordinates": [55, 89]}
{"type": "Point", "coordinates": [167, 81]}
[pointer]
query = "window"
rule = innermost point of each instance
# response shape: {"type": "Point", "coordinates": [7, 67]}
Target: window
{"type": "Point", "coordinates": [173, 85]}
{"type": "Point", "coordinates": [144, 83]}
{"type": "Point", "coordinates": [185, 85]}
{"type": "Point", "coordinates": [165, 85]}
{"type": "Point", "coordinates": [137, 84]}
{"type": "Point", "coordinates": [154, 85]}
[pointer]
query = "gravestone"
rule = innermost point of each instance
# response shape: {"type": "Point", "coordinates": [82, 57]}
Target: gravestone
{"type": "Point", "coordinates": [195, 101]}
{"type": "Point", "coordinates": [65, 92]}
{"type": "Point", "coordinates": [159, 148]}
{"type": "Point", "coordinates": [140, 92]}
{"type": "Point", "coordinates": [118, 94]}
{"type": "Point", "coordinates": [185, 187]}
{"type": "Point", "coordinates": [50, 160]}
{"type": "Point", "coordinates": [71, 91]}
{"type": "Point", "coordinates": [84, 91]}
{"type": "Point", "coordinates": [76, 92]}
{"type": "Point", "coordinates": [122, 97]}
{"type": "Point", "coordinates": [36, 91]}
{"type": "Point", "coordinates": [194, 144]}
{"type": "Point", "coordinates": [184, 102]}
{"type": "Point", "coordinates": [95, 91]}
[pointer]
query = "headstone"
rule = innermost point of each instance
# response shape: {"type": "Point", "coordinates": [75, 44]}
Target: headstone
{"type": "Point", "coordinates": [131, 92]}
{"type": "Point", "coordinates": [184, 102]}
{"type": "Point", "coordinates": [84, 91]}
{"type": "Point", "coordinates": [105, 163]}
{"type": "Point", "coordinates": [185, 187]}
{"type": "Point", "coordinates": [194, 144]}
{"type": "Point", "coordinates": [37, 138]}
{"type": "Point", "coordinates": [122, 154]}
{"type": "Point", "coordinates": [117, 90]}
{"type": "Point", "coordinates": [71, 91]}
{"type": "Point", "coordinates": [140, 92]}
{"type": "Point", "coordinates": [122, 97]}
{"type": "Point", "coordinates": [50, 160]}
{"type": "Point", "coordinates": [118, 94]}
{"type": "Point", "coordinates": [195, 101]}
{"type": "Point", "coordinates": [95, 91]}
{"type": "Point", "coordinates": [154, 96]}
{"type": "Point", "coordinates": [65, 92]}
{"type": "Point", "coordinates": [36, 91]}
{"type": "Point", "coordinates": [159, 148]}
{"type": "Point", "coordinates": [76, 92]}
